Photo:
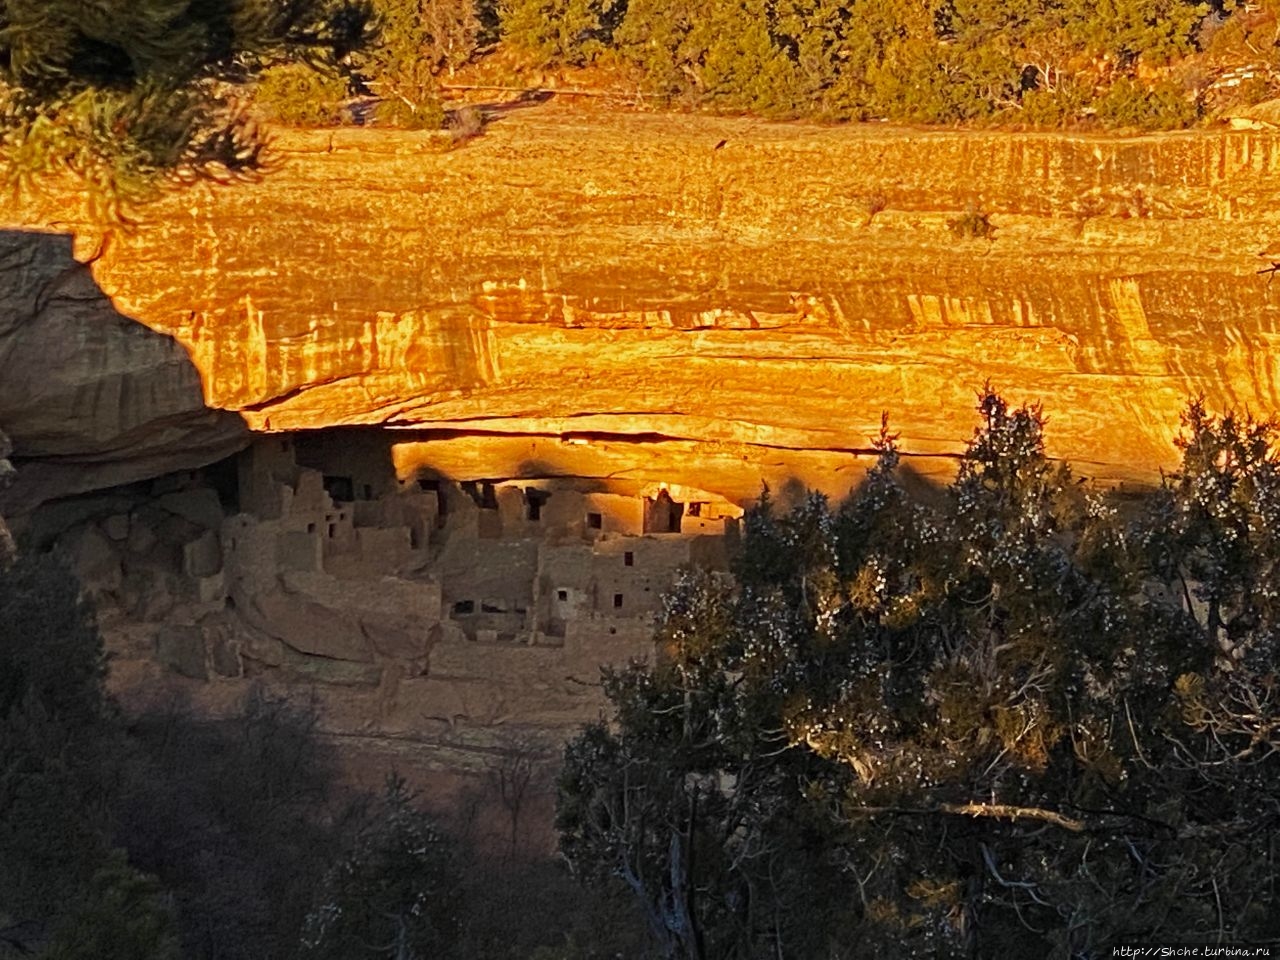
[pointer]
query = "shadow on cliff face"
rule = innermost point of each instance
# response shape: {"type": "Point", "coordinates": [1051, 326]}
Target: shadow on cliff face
{"type": "Point", "coordinates": [90, 397]}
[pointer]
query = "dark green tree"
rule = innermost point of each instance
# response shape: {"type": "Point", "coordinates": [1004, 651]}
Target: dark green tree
{"type": "Point", "coordinates": [931, 61]}
{"type": "Point", "coordinates": [228, 814]}
{"type": "Point", "coordinates": [1014, 723]}
{"type": "Point", "coordinates": [60, 757]}
{"type": "Point", "coordinates": [415, 38]}
{"type": "Point", "coordinates": [122, 915]}
{"type": "Point", "coordinates": [394, 895]}
{"type": "Point", "coordinates": [688, 800]}
{"type": "Point", "coordinates": [560, 31]}
{"type": "Point", "coordinates": [55, 731]}
{"type": "Point", "coordinates": [131, 94]}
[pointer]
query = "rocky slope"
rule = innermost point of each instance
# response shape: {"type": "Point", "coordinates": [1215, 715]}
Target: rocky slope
{"type": "Point", "coordinates": [710, 301]}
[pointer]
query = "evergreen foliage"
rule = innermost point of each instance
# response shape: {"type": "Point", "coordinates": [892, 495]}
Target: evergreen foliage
{"type": "Point", "coordinates": [129, 94]}
{"type": "Point", "coordinates": [55, 742]}
{"type": "Point", "coordinates": [1043, 62]}
{"type": "Point", "coordinates": [121, 916]}
{"type": "Point", "coordinates": [394, 895]}
{"type": "Point", "coordinates": [228, 815]}
{"type": "Point", "coordinates": [298, 95]}
{"type": "Point", "coordinates": [1018, 723]}
{"type": "Point", "coordinates": [567, 31]}
{"type": "Point", "coordinates": [400, 66]}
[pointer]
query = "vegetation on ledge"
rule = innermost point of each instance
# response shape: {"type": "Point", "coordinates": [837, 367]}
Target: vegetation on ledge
{"type": "Point", "coordinates": [131, 96]}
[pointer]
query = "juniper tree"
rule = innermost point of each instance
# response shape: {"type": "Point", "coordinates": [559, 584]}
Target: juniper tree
{"type": "Point", "coordinates": [59, 753]}
{"type": "Point", "coordinates": [395, 894]}
{"type": "Point", "coordinates": [131, 94]}
{"type": "Point", "coordinates": [1022, 722]}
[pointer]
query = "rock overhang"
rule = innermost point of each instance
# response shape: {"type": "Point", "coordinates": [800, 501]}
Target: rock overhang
{"type": "Point", "coordinates": [642, 306]}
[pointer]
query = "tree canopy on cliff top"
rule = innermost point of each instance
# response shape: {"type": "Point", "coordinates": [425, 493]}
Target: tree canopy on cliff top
{"type": "Point", "coordinates": [129, 94]}
{"type": "Point", "coordinates": [1015, 724]}
{"type": "Point", "coordinates": [1038, 62]}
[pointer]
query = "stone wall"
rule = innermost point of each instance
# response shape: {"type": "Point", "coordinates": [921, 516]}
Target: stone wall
{"type": "Point", "coordinates": [460, 629]}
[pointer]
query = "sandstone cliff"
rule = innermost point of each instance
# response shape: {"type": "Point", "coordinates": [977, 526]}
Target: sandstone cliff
{"type": "Point", "coordinates": [612, 295]}
{"type": "Point", "coordinates": [597, 318]}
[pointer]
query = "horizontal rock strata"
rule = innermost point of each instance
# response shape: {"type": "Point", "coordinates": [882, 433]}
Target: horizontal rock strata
{"type": "Point", "coordinates": [737, 315]}
{"type": "Point", "coordinates": [571, 325]}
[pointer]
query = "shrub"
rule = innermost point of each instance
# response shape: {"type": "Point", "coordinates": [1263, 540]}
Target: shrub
{"type": "Point", "coordinates": [450, 31]}
{"type": "Point", "coordinates": [58, 741]}
{"type": "Point", "coordinates": [399, 112]}
{"type": "Point", "coordinates": [723, 53]}
{"type": "Point", "coordinates": [972, 225]}
{"type": "Point", "coordinates": [122, 913]}
{"type": "Point", "coordinates": [297, 95]}
{"type": "Point", "coordinates": [1129, 103]}
{"type": "Point", "coordinates": [398, 887]}
{"type": "Point", "coordinates": [229, 815]}
{"type": "Point", "coordinates": [560, 31]}
{"type": "Point", "coordinates": [416, 39]}
{"type": "Point", "coordinates": [1054, 108]}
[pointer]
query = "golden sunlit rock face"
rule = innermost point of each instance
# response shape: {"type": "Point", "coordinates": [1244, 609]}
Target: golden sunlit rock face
{"type": "Point", "coordinates": [595, 337]}
{"type": "Point", "coordinates": [610, 295]}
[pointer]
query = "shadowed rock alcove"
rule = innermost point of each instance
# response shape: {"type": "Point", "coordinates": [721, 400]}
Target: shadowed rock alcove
{"type": "Point", "coordinates": [89, 397]}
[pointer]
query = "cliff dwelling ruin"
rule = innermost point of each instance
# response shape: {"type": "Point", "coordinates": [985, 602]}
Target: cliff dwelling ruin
{"type": "Point", "coordinates": [414, 606]}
